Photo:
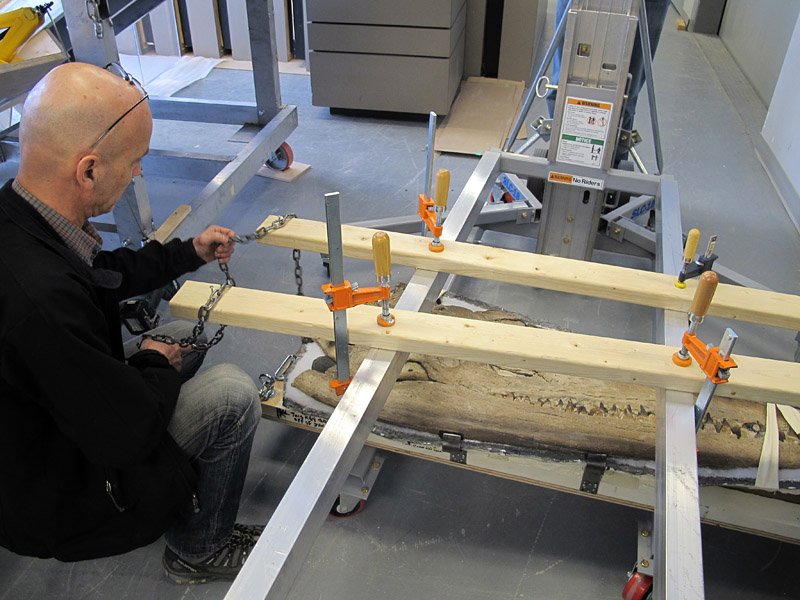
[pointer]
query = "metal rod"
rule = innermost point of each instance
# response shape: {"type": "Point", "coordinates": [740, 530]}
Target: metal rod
{"type": "Point", "coordinates": [644, 38]}
{"type": "Point", "coordinates": [530, 142]}
{"type": "Point", "coordinates": [637, 160]}
{"type": "Point", "coordinates": [336, 258]}
{"type": "Point", "coordinates": [557, 39]}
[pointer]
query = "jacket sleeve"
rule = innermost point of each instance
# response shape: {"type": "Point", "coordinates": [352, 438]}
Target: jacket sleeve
{"type": "Point", "coordinates": [150, 267]}
{"type": "Point", "coordinates": [59, 359]}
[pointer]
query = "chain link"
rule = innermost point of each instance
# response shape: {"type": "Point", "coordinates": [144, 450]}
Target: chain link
{"type": "Point", "coordinates": [262, 231]}
{"type": "Point", "coordinates": [298, 271]}
{"type": "Point", "coordinates": [93, 11]}
{"type": "Point", "coordinates": [205, 311]}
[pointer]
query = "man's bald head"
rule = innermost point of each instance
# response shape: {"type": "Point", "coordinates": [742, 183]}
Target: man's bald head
{"type": "Point", "coordinates": [64, 115]}
{"type": "Point", "coordinates": [71, 107]}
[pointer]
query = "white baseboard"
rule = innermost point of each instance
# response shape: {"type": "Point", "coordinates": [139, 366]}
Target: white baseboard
{"type": "Point", "coordinates": [786, 191]}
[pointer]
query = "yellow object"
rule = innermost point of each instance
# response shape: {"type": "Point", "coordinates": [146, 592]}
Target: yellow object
{"type": "Point", "coordinates": [692, 238]}
{"type": "Point", "coordinates": [442, 188]}
{"type": "Point", "coordinates": [16, 28]}
{"type": "Point", "coordinates": [381, 253]}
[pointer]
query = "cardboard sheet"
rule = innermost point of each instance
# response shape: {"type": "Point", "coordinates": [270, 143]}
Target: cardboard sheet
{"type": "Point", "coordinates": [482, 116]}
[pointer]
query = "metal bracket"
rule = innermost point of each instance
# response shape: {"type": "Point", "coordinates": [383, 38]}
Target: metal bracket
{"type": "Point", "coordinates": [593, 473]}
{"type": "Point", "coordinates": [451, 442]}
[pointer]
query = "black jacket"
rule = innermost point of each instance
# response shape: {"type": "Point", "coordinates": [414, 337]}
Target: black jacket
{"type": "Point", "coordinates": [87, 468]}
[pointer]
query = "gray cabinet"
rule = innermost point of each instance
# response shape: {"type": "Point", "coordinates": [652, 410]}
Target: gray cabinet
{"type": "Point", "coordinates": [386, 55]}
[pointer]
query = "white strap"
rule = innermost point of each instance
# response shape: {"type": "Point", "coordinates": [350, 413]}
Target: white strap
{"type": "Point", "coordinates": [767, 476]}
{"type": "Point", "coordinates": [792, 416]}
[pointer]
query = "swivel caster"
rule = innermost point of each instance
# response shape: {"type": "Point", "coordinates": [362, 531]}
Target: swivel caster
{"type": "Point", "coordinates": [282, 158]}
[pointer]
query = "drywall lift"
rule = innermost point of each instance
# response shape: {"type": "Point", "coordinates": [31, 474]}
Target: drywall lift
{"type": "Point", "coordinates": [266, 123]}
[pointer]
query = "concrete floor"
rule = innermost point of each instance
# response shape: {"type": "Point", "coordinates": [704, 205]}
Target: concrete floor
{"type": "Point", "coordinates": [430, 531]}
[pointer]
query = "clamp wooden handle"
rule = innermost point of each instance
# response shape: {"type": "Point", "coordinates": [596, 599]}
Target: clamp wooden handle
{"type": "Point", "coordinates": [692, 239]}
{"type": "Point", "coordinates": [382, 254]}
{"type": "Point", "coordinates": [704, 293]}
{"type": "Point", "coordinates": [442, 188]}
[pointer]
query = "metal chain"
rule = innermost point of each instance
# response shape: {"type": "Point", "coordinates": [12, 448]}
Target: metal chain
{"type": "Point", "coordinates": [298, 271]}
{"type": "Point", "coordinates": [205, 311]}
{"type": "Point", "coordinates": [93, 11]}
{"type": "Point", "coordinates": [262, 231]}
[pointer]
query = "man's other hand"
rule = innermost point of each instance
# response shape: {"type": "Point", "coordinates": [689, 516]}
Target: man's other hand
{"type": "Point", "coordinates": [214, 244]}
{"type": "Point", "coordinates": [173, 352]}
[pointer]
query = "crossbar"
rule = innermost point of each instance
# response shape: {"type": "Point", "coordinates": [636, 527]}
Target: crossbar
{"type": "Point", "coordinates": [548, 272]}
{"type": "Point", "coordinates": [580, 355]}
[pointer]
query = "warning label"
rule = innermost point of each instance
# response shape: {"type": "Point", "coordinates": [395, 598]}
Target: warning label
{"type": "Point", "coordinates": [584, 132]}
{"type": "Point", "coordinates": [587, 182]}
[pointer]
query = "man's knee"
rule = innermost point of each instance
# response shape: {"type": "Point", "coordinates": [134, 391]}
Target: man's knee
{"type": "Point", "coordinates": [239, 390]}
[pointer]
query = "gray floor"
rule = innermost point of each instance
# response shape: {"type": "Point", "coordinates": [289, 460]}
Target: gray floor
{"type": "Point", "coordinates": [431, 531]}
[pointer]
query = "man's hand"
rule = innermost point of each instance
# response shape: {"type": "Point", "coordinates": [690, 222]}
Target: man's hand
{"type": "Point", "coordinates": [214, 244]}
{"type": "Point", "coordinates": [173, 352]}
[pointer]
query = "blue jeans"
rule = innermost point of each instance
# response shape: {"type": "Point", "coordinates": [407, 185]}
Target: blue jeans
{"type": "Point", "coordinates": [656, 15]}
{"type": "Point", "coordinates": [214, 423]}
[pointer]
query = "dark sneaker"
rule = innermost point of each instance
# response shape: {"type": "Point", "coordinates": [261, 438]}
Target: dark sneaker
{"type": "Point", "coordinates": [222, 565]}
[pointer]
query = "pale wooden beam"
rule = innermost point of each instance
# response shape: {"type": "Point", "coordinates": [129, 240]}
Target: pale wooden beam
{"type": "Point", "coordinates": [548, 272]}
{"type": "Point", "coordinates": [756, 379]}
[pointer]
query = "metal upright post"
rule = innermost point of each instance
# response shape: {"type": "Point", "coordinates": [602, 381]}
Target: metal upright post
{"type": "Point", "coordinates": [264, 52]}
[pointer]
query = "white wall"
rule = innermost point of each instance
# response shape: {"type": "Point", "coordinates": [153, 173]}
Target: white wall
{"type": "Point", "coordinates": [757, 35]}
{"type": "Point", "coordinates": [781, 132]}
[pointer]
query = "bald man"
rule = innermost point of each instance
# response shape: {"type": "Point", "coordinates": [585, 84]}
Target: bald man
{"type": "Point", "coordinates": [100, 454]}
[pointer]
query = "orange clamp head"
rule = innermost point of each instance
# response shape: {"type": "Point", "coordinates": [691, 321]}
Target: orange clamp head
{"type": "Point", "coordinates": [340, 386]}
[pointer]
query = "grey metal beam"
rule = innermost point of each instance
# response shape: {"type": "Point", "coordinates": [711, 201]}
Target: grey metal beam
{"type": "Point", "coordinates": [678, 572]}
{"type": "Point", "coordinates": [264, 52]}
{"type": "Point", "coordinates": [184, 165]}
{"type": "Point", "coordinates": [533, 166]}
{"type": "Point", "coordinates": [283, 546]}
{"type": "Point", "coordinates": [125, 13]}
{"type": "Point", "coordinates": [203, 111]}
{"type": "Point", "coordinates": [220, 191]}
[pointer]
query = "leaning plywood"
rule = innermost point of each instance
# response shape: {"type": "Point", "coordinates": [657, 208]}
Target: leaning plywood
{"type": "Point", "coordinates": [548, 272]}
{"type": "Point", "coordinates": [551, 351]}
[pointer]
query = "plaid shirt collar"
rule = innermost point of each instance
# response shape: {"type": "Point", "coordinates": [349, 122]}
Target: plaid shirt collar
{"type": "Point", "coordinates": [83, 241]}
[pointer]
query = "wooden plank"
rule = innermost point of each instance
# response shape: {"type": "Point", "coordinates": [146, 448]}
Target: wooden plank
{"type": "Point", "coordinates": [507, 345]}
{"type": "Point", "coordinates": [171, 224]}
{"type": "Point", "coordinates": [548, 272]}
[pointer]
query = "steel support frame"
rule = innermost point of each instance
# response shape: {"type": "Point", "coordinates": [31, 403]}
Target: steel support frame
{"type": "Point", "coordinates": [290, 533]}
{"type": "Point", "coordinates": [276, 120]}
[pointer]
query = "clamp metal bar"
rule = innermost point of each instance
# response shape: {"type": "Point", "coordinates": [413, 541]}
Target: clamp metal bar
{"type": "Point", "coordinates": [283, 546]}
{"type": "Point", "coordinates": [336, 266]}
{"type": "Point", "coordinates": [678, 547]}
